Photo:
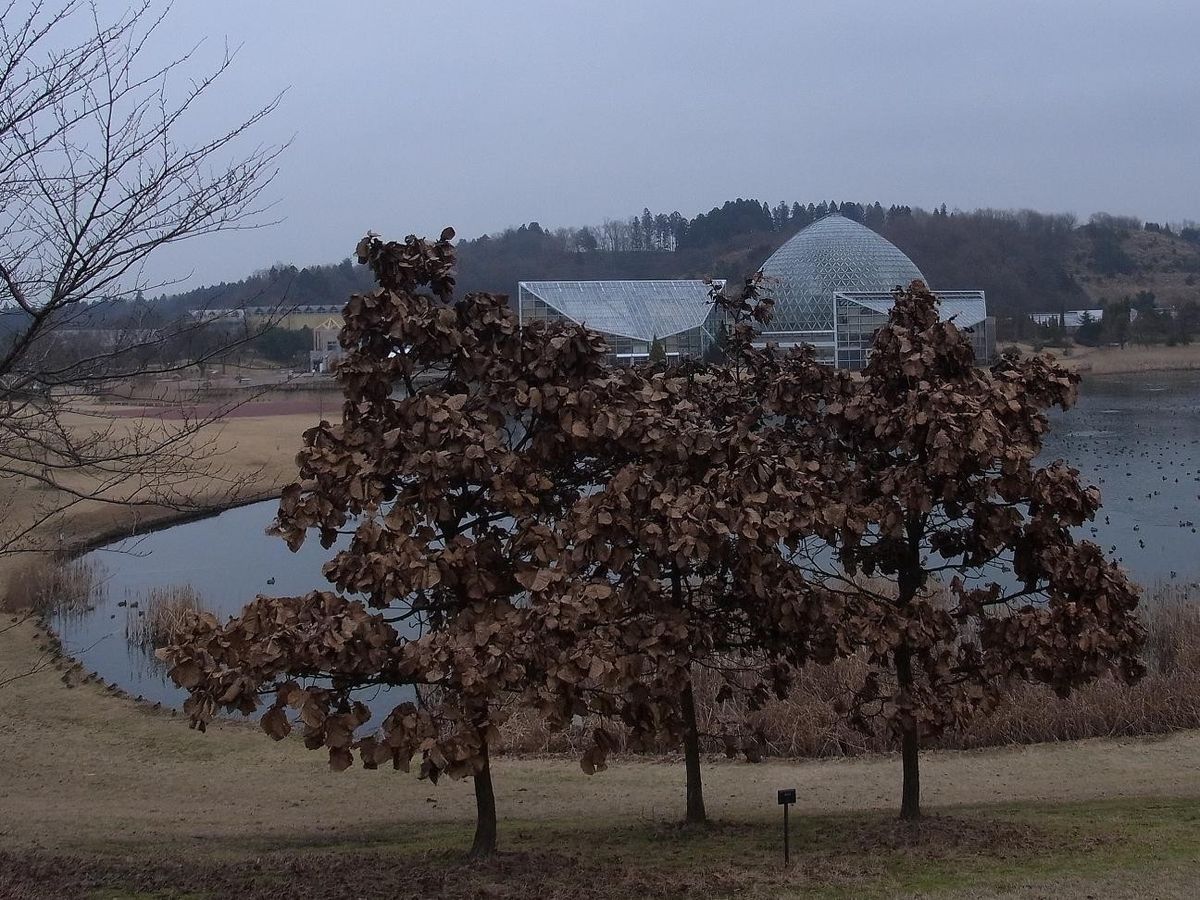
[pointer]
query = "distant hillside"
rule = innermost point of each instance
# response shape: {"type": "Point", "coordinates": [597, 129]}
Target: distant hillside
{"type": "Point", "coordinates": [279, 284]}
{"type": "Point", "coordinates": [1130, 261]}
{"type": "Point", "coordinates": [1026, 261]}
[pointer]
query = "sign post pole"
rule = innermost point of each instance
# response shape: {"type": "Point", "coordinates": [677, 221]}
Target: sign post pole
{"type": "Point", "coordinates": [786, 798]}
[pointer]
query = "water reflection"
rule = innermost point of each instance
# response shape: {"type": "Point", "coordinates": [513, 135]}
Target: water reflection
{"type": "Point", "coordinates": [225, 559]}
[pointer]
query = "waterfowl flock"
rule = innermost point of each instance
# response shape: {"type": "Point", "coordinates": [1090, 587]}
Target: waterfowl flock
{"type": "Point", "coordinates": [1139, 442]}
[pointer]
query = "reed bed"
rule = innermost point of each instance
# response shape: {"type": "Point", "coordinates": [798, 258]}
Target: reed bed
{"type": "Point", "coordinates": [807, 724]}
{"type": "Point", "coordinates": [155, 618]}
{"type": "Point", "coordinates": [50, 585]}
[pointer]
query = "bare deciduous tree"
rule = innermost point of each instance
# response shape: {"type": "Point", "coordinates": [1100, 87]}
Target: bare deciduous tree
{"type": "Point", "coordinates": [95, 179]}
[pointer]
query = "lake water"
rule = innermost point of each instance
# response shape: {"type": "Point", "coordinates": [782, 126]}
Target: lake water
{"type": "Point", "coordinates": [1136, 437]}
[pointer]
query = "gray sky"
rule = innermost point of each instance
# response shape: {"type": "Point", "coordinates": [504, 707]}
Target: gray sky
{"type": "Point", "coordinates": [411, 116]}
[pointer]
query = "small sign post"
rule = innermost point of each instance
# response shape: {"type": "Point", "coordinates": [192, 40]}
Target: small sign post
{"type": "Point", "coordinates": [786, 799]}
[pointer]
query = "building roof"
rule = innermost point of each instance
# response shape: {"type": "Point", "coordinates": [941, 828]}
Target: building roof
{"type": "Point", "coordinates": [834, 254]}
{"type": "Point", "coordinates": [642, 310]}
{"type": "Point", "coordinates": [966, 308]}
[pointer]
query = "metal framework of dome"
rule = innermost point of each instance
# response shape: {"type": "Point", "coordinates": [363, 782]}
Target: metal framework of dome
{"type": "Point", "coordinates": [832, 255]}
{"type": "Point", "coordinates": [630, 315]}
{"type": "Point", "coordinates": [964, 308]}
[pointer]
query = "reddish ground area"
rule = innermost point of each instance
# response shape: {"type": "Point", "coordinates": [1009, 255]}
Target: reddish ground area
{"type": "Point", "coordinates": [309, 402]}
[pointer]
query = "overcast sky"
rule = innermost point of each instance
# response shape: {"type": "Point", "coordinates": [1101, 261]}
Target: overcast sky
{"type": "Point", "coordinates": [406, 117]}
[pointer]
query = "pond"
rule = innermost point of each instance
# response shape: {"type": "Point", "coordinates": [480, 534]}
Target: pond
{"type": "Point", "coordinates": [224, 559]}
{"type": "Point", "coordinates": [1136, 437]}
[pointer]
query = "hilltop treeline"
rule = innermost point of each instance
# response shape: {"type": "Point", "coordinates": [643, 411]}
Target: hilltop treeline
{"type": "Point", "coordinates": [1026, 261]}
{"type": "Point", "coordinates": [1021, 258]}
{"type": "Point", "coordinates": [279, 284]}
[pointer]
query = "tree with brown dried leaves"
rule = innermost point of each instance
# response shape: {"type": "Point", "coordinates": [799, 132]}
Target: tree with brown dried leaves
{"type": "Point", "coordinates": [704, 486]}
{"type": "Point", "coordinates": [529, 527]}
{"type": "Point", "coordinates": [450, 472]}
{"type": "Point", "coordinates": [955, 571]}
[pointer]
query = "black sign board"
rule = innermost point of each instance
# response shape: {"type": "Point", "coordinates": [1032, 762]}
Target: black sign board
{"type": "Point", "coordinates": [788, 796]}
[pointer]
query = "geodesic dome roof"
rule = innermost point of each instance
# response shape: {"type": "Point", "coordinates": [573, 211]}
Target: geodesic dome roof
{"type": "Point", "coordinates": [832, 255]}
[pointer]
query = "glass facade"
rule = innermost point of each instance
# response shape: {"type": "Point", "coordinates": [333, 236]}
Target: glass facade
{"type": "Point", "coordinates": [856, 327]}
{"type": "Point", "coordinates": [833, 254]}
{"type": "Point", "coordinates": [832, 285]}
{"type": "Point", "coordinates": [860, 315]}
{"type": "Point", "coordinates": [630, 314]}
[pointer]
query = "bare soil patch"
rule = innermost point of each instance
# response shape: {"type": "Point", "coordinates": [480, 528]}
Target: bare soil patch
{"type": "Point", "coordinates": [306, 403]}
{"type": "Point", "coordinates": [320, 876]}
{"type": "Point", "coordinates": [941, 835]}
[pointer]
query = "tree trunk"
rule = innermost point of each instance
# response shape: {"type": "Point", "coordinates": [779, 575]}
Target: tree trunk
{"type": "Point", "coordinates": [691, 757]}
{"type": "Point", "coordinates": [910, 746]}
{"type": "Point", "coordinates": [910, 798]}
{"type": "Point", "coordinates": [485, 811]}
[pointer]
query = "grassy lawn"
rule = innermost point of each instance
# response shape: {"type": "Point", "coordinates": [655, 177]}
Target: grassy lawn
{"type": "Point", "coordinates": [1109, 848]}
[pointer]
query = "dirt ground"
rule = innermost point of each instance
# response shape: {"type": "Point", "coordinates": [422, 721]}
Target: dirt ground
{"type": "Point", "coordinates": [102, 797]}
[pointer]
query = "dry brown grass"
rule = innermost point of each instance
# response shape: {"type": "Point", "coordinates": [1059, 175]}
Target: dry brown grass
{"type": "Point", "coordinates": [1167, 699]}
{"type": "Point", "coordinates": [44, 584]}
{"type": "Point", "coordinates": [807, 724]}
{"type": "Point", "coordinates": [155, 618]}
{"type": "Point", "coordinates": [262, 449]}
{"type": "Point", "coordinates": [1132, 359]}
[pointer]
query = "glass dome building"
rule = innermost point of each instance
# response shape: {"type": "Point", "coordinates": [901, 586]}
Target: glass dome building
{"type": "Point", "coordinates": [631, 315]}
{"type": "Point", "coordinates": [833, 255]}
{"type": "Point", "coordinates": [832, 283]}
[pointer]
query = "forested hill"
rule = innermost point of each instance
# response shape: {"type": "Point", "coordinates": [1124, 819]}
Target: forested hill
{"type": "Point", "coordinates": [312, 285]}
{"type": "Point", "coordinates": [1026, 261]}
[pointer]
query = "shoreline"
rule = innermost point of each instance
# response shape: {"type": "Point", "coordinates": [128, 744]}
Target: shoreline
{"type": "Point", "coordinates": [103, 537]}
{"type": "Point", "coordinates": [1132, 360]}
{"type": "Point", "coordinates": [100, 538]}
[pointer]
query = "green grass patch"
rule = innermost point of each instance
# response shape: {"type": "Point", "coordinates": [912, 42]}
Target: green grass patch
{"type": "Point", "coordinates": [867, 855]}
{"type": "Point", "coordinates": [855, 855]}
